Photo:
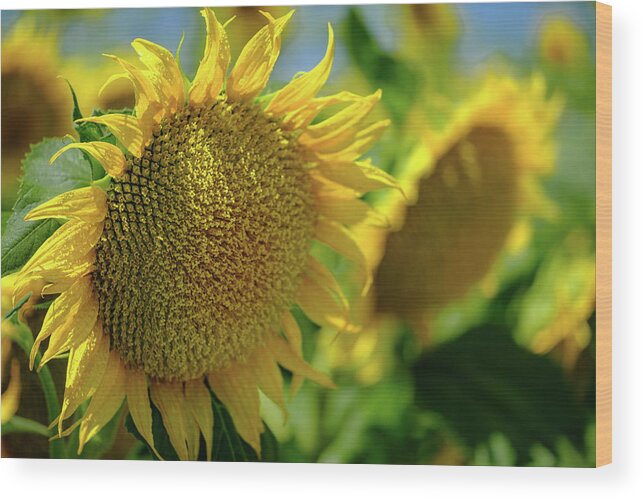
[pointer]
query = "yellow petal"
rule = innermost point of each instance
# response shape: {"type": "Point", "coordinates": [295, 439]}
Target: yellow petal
{"type": "Point", "coordinates": [192, 436]}
{"type": "Point", "coordinates": [65, 247]}
{"type": "Point", "coordinates": [139, 405]}
{"type": "Point", "coordinates": [293, 336]}
{"type": "Point", "coordinates": [85, 368]}
{"type": "Point", "coordinates": [106, 401]}
{"type": "Point", "coordinates": [197, 398]}
{"type": "Point", "coordinates": [164, 73]}
{"type": "Point", "coordinates": [289, 359]}
{"type": "Point", "coordinates": [169, 400]}
{"type": "Point", "coordinates": [148, 108]}
{"type": "Point", "coordinates": [64, 257]}
{"type": "Point", "coordinates": [304, 87]}
{"type": "Point", "coordinates": [348, 210]}
{"type": "Point", "coordinates": [11, 396]}
{"type": "Point", "coordinates": [321, 306]}
{"type": "Point", "coordinates": [254, 66]}
{"type": "Point", "coordinates": [336, 130]}
{"type": "Point", "coordinates": [62, 280]}
{"type": "Point", "coordinates": [124, 127]}
{"type": "Point", "coordinates": [304, 115]}
{"type": "Point", "coordinates": [211, 73]}
{"type": "Point", "coordinates": [39, 285]}
{"type": "Point", "coordinates": [106, 154]}
{"type": "Point", "coordinates": [324, 277]}
{"type": "Point", "coordinates": [341, 240]}
{"type": "Point", "coordinates": [291, 331]}
{"type": "Point", "coordinates": [69, 320]}
{"type": "Point", "coordinates": [237, 389]}
{"type": "Point", "coordinates": [110, 80]}
{"type": "Point", "coordinates": [353, 144]}
{"type": "Point", "coordinates": [361, 176]}
{"type": "Point", "coordinates": [268, 376]}
{"type": "Point", "coordinates": [88, 204]}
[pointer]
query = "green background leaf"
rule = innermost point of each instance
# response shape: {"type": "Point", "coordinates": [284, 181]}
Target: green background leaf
{"type": "Point", "coordinates": [492, 391]}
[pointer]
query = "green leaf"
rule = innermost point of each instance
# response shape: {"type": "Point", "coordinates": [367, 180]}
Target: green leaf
{"type": "Point", "coordinates": [398, 80]}
{"type": "Point", "coordinates": [484, 385]}
{"type": "Point", "coordinates": [227, 446]}
{"type": "Point", "coordinates": [40, 182]}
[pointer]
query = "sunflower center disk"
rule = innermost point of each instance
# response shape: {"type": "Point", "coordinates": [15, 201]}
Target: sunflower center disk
{"type": "Point", "coordinates": [205, 242]}
{"type": "Point", "coordinates": [451, 237]}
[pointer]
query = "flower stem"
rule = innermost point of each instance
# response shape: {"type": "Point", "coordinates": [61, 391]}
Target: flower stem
{"type": "Point", "coordinates": [24, 339]}
{"type": "Point", "coordinates": [18, 424]}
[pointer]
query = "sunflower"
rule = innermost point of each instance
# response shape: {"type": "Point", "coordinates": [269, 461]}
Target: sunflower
{"type": "Point", "coordinates": [474, 189]}
{"type": "Point", "coordinates": [556, 310]}
{"type": "Point", "coordinates": [176, 273]}
{"type": "Point", "coordinates": [563, 44]}
{"type": "Point", "coordinates": [33, 101]}
{"type": "Point", "coordinates": [432, 26]}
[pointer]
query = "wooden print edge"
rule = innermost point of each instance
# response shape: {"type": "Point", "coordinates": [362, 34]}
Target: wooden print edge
{"type": "Point", "coordinates": [603, 234]}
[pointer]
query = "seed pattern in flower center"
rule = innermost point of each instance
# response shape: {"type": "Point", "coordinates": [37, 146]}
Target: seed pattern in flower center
{"type": "Point", "coordinates": [205, 242]}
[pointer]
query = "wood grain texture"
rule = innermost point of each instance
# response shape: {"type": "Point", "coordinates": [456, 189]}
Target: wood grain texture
{"type": "Point", "coordinates": [603, 234]}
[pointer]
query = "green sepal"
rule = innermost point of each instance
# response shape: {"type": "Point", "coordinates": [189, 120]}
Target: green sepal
{"type": "Point", "coordinates": [18, 306]}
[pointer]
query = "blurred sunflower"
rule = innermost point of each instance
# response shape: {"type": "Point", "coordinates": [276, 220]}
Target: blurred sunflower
{"type": "Point", "coordinates": [563, 44]}
{"type": "Point", "coordinates": [474, 195]}
{"type": "Point", "coordinates": [474, 188]}
{"type": "Point", "coordinates": [565, 57]}
{"type": "Point", "coordinates": [432, 26]}
{"type": "Point", "coordinates": [35, 104]}
{"type": "Point", "coordinates": [177, 271]}
{"type": "Point", "coordinates": [556, 310]}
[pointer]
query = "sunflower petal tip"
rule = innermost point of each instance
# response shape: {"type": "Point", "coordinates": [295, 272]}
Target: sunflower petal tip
{"type": "Point", "coordinates": [225, 25]}
{"type": "Point", "coordinates": [55, 156]}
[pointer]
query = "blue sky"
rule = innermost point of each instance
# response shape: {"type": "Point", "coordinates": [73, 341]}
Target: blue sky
{"type": "Point", "coordinates": [489, 29]}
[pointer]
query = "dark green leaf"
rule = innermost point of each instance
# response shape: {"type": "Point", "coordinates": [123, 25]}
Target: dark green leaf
{"type": "Point", "coordinates": [40, 182]}
{"type": "Point", "coordinates": [483, 384]}
{"type": "Point", "coordinates": [398, 81]}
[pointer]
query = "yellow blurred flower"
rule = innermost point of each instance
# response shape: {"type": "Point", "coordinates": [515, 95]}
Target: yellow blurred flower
{"type": "Point", "coordinates": [473, 190]}
{"type": "Point", "coordinates": [563, 44]}
{"type": "Point", "coordinates": [554, 313]}
{"type": "Point", "coordinates": [478, 183]}
{"type": "Point", "coordinates": [37, 104]}
{"type": "Point", "coordinates": [430, 27]}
